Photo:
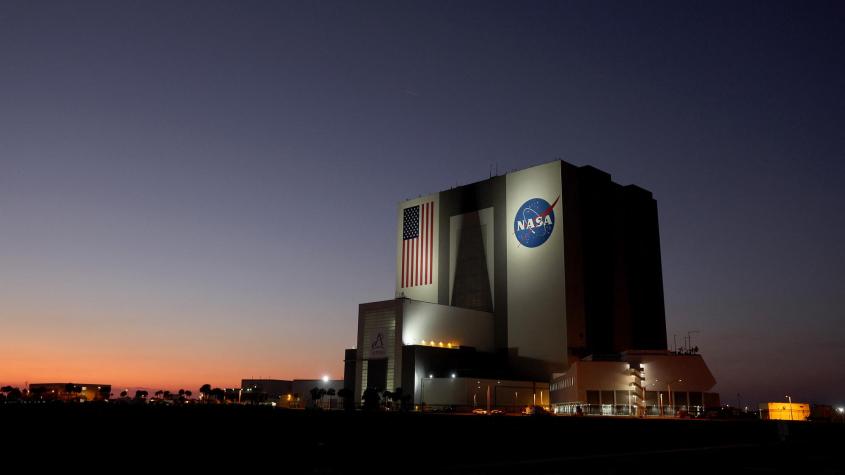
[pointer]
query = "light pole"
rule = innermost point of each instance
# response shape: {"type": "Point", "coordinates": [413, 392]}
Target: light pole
{"type": "Point", "coordinates": [790, 407]}
{"type": "Point", "coordinates": [422, 391]}
{"type": "Point", "coordinates": [841, 411]}
{"type": "Point", "coordinates": [669, 389]}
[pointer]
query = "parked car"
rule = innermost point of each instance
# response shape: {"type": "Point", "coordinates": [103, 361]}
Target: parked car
{"type": "Point", "coordinates": [535, 411]}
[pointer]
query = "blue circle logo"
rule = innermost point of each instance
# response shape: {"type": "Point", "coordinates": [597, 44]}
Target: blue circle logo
{"type": "Point", "coordinates": [534, 222]}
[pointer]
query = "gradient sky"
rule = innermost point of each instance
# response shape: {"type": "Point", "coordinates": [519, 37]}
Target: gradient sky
{"type": "Point", "coordinates": [197, 192]}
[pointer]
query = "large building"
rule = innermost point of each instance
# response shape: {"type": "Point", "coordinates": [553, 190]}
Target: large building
{"type": "Point", "coordinates": [516, 277]}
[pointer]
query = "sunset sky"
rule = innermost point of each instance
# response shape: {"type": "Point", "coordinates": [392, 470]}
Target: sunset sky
{"type": "Point", "coordinates": [199, 192]}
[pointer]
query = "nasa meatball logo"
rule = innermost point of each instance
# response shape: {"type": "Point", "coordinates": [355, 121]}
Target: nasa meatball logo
{"type": "Point", "coordinates": [534, 222]}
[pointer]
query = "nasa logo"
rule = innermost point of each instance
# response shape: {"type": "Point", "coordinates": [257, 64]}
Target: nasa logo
{"type": "Point", "coordinates": [534, 222]}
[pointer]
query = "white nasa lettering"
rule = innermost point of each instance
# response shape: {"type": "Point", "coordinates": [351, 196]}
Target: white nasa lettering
{"type": "Point", "coordinates": [530, 224]}
{"type": "Point", "coordinates": [548, 219]}
{"type": "Point", "coordinates": [520, 225]}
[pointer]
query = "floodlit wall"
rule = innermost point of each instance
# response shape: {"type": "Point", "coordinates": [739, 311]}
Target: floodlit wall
{"type": "Point", "coordinates": [424, 323]}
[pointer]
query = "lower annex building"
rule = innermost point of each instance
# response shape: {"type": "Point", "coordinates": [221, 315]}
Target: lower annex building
{"type": "Point", "coordinates": [542, 286]}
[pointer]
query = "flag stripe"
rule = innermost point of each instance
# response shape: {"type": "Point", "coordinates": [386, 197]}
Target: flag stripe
{"type": "Point", "coordinates": [422, 251]}
{"type": "Point", "coordinates": [425, 244]}
{"type": "Point", "coordinates": [430, 239]}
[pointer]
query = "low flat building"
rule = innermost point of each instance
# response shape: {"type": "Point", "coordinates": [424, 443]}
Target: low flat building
{"type": "Point", "coordinates": [261, 390]}
{"type": "Point", "coordinates": [784, 411]}
{"type": "Point", "coordinates": [82, 392]}
{"type": "Point", "coordinates": [635, 383]}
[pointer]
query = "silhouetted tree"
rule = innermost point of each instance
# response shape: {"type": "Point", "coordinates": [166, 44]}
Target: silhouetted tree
{"type": "Point", "coordinates": [370, 399]}
{"type": "Point", "coordinates": [140, 394]}
{"type": "Point", "coordinates": [12, 394]}
{"type": "Point", "coordinates": [403, 399]}
{"type": "Point", "coordinates": [123, 394]}
{"type": "Point", "coordinates": [218, 394]}
{"type": "Point", "coordinates": [205, 391]}
{"type": "Point", "coordinates": [188, 394]}
{"type": "Point", "coordinates": [105, 392]}
{"type": "Point", "coordinates": [348, 398]}
{"type": "Point", "coordinates": [9, 392]}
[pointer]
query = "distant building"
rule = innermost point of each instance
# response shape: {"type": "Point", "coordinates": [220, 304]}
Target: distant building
{"type": "Point", "coordinates": [291, 393]}
{"type": "Point", "coordinates": [70, 391]}
{"type": "Point", "coordinates": [259, 390]}
{"type": "Point", "coordinates": [785, 411]}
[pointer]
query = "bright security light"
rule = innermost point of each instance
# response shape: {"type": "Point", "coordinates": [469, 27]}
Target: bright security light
{"type": "Point", "coordinates": [453, 375]}
{"type": "Point", "coordinates": [325, 378]}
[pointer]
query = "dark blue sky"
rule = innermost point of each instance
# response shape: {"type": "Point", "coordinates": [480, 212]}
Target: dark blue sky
{"type": "Point", "coordinates": [201, 191]}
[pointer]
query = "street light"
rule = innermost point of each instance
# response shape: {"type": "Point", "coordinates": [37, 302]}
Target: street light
{"type": "Point", "coordinates": [841, 411]}
{"type": "Point", "coordinates": [422, 391]}
{"type": "Point", "coordinates": [669, 388]}
{"type": "Point", "coordinates": [790, 407]}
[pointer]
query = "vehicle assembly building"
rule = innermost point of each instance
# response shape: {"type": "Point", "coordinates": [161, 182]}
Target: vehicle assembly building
{"type": "Point", "coordinates": [512, 282]}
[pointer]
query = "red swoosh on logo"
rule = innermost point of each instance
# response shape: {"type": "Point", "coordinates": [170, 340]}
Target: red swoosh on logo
{"type": "Point", "coordinates": [549, 209]}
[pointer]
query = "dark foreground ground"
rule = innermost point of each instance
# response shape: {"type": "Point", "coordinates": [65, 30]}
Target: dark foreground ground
{"type": "Point", "coordinates": [259, 439]}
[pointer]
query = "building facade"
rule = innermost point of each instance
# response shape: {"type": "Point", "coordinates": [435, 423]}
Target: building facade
{"type": "Point", "coordinates": [635, 383]}
{"type": "Point", "coordinates": [516, 277]}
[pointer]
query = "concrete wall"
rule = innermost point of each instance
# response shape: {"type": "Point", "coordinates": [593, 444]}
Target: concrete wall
{"type": "Point", "coordinates": [663, 370]}
{"type": "Point", "coordinates": [535, 280]}
{"type": "Point", "coordinates": [462, 327]}
{"type": "Point", "coordinates": [468, 393]}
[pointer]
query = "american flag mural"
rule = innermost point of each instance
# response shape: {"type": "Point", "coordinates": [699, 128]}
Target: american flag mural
{"type": "Point", "coordinates": [417, 244]}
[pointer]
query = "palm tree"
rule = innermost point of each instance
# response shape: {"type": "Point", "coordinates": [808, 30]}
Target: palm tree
{"type": "Point", "coordinates": [205, 391]}
{"type": "Point", "coordinates": [346, 395]}
{"type": "Point", "coordinates": [188, 394]}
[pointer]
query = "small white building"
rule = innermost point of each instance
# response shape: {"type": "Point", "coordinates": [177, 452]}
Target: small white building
{"type": "Point", "coordinates": [636, 383]}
